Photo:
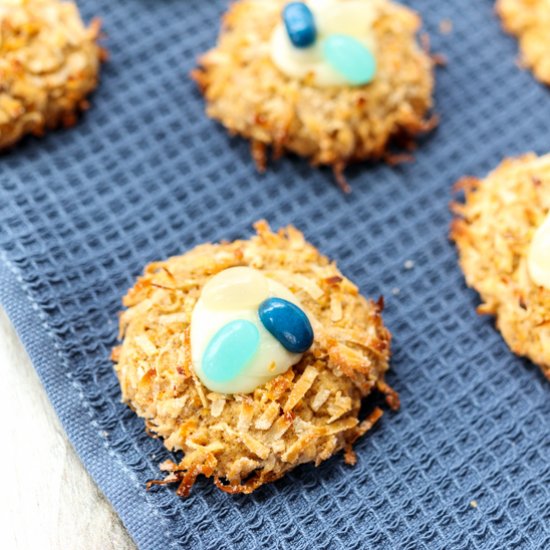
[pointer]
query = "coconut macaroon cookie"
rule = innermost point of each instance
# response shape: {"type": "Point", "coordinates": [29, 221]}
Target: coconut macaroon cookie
{"type": "Point", "coordinates": [503, 238]}
{"type": "Point", "coordinates": [336, 81]}
{"type": "Point", "coordinates": [529, 20]}
{"type": "Point", "coordinates": [49, 63]}
{"type": "Point", "coordinates": [251, 357]}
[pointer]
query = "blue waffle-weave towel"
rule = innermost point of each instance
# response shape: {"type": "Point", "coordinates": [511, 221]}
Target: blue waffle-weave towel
{"type": "Point", "coordinates": [145, 175]}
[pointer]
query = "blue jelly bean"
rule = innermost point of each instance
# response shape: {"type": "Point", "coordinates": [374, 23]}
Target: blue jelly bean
{"type": "Point", "coordinates": [287, 323]}
{"type": "Point", "coordinates": [354, 61]}
{"type": "Point", "coordinates": [300, 24]}
{"type": "Point", "coordinates": [230, 350]}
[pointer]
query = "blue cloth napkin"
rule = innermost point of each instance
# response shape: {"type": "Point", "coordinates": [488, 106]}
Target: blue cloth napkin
{"type": "Point", "coordinates": [145, 175]}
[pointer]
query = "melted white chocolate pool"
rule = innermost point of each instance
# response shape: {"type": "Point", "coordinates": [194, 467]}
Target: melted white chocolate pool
{"type": "Point", "coordinates": [350, 17]}
{"type": "Point", "coordinates": [235, 294]}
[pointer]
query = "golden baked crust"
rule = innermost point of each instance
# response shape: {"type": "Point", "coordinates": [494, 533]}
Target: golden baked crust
{"type": "Point", "coordinates": [49, 63]}
{"type": "Point", "coordinates": [334, 126]}
{"type": "Point", "coordinates": [305, 415]}
{"type": "Point", "coordinates": [529, 20]}
{"type": "Point", "coordinates": [493, 232]}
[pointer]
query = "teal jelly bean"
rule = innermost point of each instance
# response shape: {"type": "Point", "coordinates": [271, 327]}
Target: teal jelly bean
{"type": "Point", "coordinates": [230, 350]}
{"type": "Point", "coordinates": [350, 58]}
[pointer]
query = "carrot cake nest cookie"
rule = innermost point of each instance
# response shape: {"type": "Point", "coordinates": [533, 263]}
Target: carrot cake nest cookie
{"type": "Point", "coordinates": [251, 357]}
{"type": "Point", "coordinates": [49, 63]}
{"type": "Point", "coordinates": [335, 81]}
{"type": "Point", "coordinates": [529, 20]}
{"type": "Point", "coordinates": [503, 239]}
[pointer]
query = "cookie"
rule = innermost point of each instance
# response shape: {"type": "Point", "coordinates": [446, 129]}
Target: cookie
{"type": "Point", "coordinates": [217, 357]}
{"type": "Point", "coordinates": [503, 237]}
{"type": "Point", "coordinates": [361, 85]}
{"type": "Point", "coordinates": [529, 20]}
{"type": "Point", "coordinates": [49, 63]}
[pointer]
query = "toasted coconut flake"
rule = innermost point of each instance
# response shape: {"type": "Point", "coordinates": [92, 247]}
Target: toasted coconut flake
{"type": "Point", "coordinates": [327, 450]}
{"type": "Point", "coordinates": [340, 426]}
{"type": "Point", "coordinates": [309, 286]}
{"type": "Point", "coordinates": [301, 387]}
{"type": "Point", "coordinates": [338, 406]}
{"type": "Point", "coordinates": [145, 344]}
{"type": "Point", "coordinates": [293, 452]}
{"type": "Point", "coordinates": [241, 468]}
{"type": "Point", "coordinates": [320, 399]}
{"type": "Point", "coordinates": [268, 417]}
{"type": "Point", "coordinates": [278, 446]}
{"type": "Point", "coordinates": [245, 415]}
{"type": "Point", "coordinates": [217, 407]}
{"type": "Point", "coordinates": [254, 445]}
{"type": "Point", "coordinates": [336, 312]}
{"type": "Point", "coordinates": [280, 426]}
{"type": "Point", "coordinates": [199, 389]}
{"type": "Point", "coordinates": [115, 354]}
{"type": "Point", "coordinates": [211, 448]}
{"type": "Point", "coordinates": [170, 318]}
{"type": "Point", "coordinates": [146, 380]}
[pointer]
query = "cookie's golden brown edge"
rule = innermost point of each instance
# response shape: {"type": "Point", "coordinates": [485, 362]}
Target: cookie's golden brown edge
{"type": "Point", "coordinates": [492, 231]}
{"type": "Point", "coordinates": [330, 126]}
{"type": "Point", "coordinates": [305, 415]}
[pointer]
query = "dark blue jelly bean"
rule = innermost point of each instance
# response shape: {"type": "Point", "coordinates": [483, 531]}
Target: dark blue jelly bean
{"type": "Point", "coordinates": [300, 24]}
{"type": "Point", "coordinates": [287, 323]}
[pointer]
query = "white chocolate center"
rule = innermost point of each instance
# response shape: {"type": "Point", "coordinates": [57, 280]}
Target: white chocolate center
{"type": "Point", "coordinates": [351, 17]}
{"type": "Point", "coordinates": [538, 259]}
{"type": "Point", "coordinates": [234, 294]}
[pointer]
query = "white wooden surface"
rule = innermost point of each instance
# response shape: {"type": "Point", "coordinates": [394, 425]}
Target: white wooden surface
{"type": "Point", "coordinates": [47, 499]}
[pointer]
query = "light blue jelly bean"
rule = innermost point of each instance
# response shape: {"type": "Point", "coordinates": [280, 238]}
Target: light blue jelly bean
{"type": "Point", "coordinates": [300, 24]}
{"type": "Point", "coordinates": [230, 350]}
{"type": "Point", "coordinates": [287, 323]}
{"type": "Point", "coordinates": [350, 58]}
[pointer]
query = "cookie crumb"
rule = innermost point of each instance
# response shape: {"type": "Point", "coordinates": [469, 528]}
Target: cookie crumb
{"type": "Point", "coordinates": [445, 26]}
{"type": "Point", "coordinates": [473, 503]}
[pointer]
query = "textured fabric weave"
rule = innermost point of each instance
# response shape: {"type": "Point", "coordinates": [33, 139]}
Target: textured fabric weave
{"type": "Point", "coordinates": [146, 175]}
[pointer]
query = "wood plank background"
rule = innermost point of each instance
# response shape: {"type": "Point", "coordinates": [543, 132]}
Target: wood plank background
{"type": "Point", "coordinates": [48, 500]}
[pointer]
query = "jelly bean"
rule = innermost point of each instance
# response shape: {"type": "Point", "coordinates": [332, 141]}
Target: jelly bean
{"type": "Point", "coordinates": [230, 350]}
{"type": "Point", "coordinates": [287, 323]}
{"type": "Point", "coordinates": [235, 287]}
{"type": "Point", "coordinates": [354, 61]}
{"type": "Point", "coordinates": [300, 24]}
